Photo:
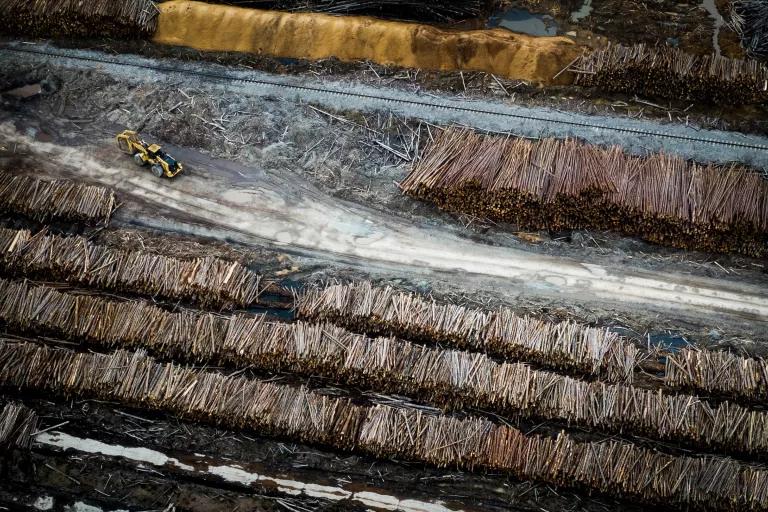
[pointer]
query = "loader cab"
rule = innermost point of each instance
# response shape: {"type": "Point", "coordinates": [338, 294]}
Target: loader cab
{"type": "Point", "coordinates": [172, 163]}
{"type": "Point", "coordinates": [159, 154]}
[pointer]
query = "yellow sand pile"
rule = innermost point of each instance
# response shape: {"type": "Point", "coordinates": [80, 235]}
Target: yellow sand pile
{"type": "Point", "coordinates": [349, 38]}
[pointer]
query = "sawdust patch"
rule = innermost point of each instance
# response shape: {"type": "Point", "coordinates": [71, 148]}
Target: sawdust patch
{"type": "Point", "coordinates": [350, 38]}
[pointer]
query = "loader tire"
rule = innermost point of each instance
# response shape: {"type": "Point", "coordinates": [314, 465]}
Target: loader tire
{"type": "Point", "coordinates": [157, 171]}
{"type": "Point", "coordinates": [138, 160]}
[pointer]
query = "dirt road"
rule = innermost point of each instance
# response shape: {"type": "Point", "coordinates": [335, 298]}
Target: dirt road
{"type": "Point", "coordinates": [226, 200]}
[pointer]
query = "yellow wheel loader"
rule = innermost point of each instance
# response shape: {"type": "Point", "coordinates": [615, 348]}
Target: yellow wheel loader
{"type": "Point", "coordinates": [160, 163]}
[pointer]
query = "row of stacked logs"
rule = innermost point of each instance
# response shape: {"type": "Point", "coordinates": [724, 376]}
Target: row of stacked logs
{"type": "Point", "coordinates": [671, 73]}
{"type": "Point", "coordinates": [563, 185]}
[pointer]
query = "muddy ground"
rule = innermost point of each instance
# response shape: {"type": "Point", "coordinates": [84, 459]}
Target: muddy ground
{"type": "Point", "coordinates": [118, 483]}
{"type": "Point", "coordinates": [698, 27]}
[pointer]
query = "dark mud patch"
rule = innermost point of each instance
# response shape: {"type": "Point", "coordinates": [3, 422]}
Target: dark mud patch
{"type": "Point", "coordinates": [74, 481]}
{"type": "Point", "coordinates": [687, 24]}
{"type": "Point", "coordinates": [108, 423]}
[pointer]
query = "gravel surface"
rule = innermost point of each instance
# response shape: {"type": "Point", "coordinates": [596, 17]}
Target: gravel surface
{"type": "Point", "coordinates": [636, 136]}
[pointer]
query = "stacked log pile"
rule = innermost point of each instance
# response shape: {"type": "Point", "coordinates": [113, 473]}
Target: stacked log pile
{"type": "Point", "coordinates": [444, 378]}
{"type": "Point", "coordinates": [501, 333]}
{"type": "Point", "coordinates": [607, 466]}
{"type": "Point", "coordinates": [74, 259]}
{"type": "Point", "coordinates": [62, 200]}
{"type": "Point", "coordinates": [78, 18]}
{"type": "Point", "coordinates": [671, 73]}
{"type": "Point", "coordinates": [749, 19]}
{"type": "Point", "coordinates": [17, 424]}
{"type": "Point", "coordinates": [721, 373]}
{"type": "Point", "coordinates": [234, 401]}
{"type": "Point", "coordinates": [563, 184]}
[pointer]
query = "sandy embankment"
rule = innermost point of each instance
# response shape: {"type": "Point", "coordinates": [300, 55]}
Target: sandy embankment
{"type": "Point", "coordinates": [349, 38]}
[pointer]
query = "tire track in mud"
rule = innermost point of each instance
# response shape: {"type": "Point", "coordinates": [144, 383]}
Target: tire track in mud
{"type": "Point", "coordinates": [269, 207]}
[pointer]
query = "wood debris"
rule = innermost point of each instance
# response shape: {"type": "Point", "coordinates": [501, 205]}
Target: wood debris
{"type": "Point", "coordinates": [749, 19]}
{"type": "Point", "coordinates": [452, 10]}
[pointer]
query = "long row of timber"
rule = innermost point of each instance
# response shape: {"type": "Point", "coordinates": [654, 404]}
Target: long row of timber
{"type": "Point", "coordinates": [297, 413]}
{"type": "Point", "coordinates": [446, 378]}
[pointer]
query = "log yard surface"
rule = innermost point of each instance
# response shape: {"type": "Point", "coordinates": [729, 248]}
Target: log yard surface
{"type": "Point", "coordinates": [388, 255]}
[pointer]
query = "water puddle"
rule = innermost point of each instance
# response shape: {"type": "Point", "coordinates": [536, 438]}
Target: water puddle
{"type": "Point", "coordinates": [711, 8]}
{"type": "Point", "coordinates": [283, 315]}
{"type": "Point", "coordinates": [668, 341]}
{"type": "Point", "coordinates": [582, 12]}
{"type": "Point", "coordinates": [525, 22]}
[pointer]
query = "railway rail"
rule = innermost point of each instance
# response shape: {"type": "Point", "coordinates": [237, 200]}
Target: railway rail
{"type": "Point", "coordinates": [393, 100]}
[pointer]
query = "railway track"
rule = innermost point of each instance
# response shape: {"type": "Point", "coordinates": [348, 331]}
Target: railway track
{"type": "Point", "coordinates": [393, 100]}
